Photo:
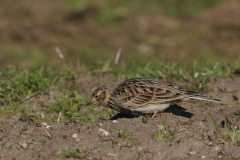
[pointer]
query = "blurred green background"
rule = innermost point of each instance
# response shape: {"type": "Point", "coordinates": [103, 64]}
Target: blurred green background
{"type": "Point", "coordinates": [91, 31]}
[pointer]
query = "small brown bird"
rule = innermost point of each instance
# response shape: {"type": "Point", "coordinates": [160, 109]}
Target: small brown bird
{"type": "Point", "coordinates": [137, 96]}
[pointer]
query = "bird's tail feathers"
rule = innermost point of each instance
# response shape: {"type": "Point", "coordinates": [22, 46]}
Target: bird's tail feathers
{"type": "Point", "coordinates": [205, 98]}
{"type": "Point", "coordinates": [196, 95]}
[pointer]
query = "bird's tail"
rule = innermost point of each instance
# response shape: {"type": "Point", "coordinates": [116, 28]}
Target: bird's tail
{"type": "Point", "coordinates": [205, 98]}
{"type": "Point", "coordinates": [196, 95]}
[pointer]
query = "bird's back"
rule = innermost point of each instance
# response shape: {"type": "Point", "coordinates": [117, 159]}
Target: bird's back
{"type": "Point", "coordinates": [137, 93]}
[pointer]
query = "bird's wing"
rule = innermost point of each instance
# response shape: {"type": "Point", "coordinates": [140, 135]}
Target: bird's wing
{"type": "Point", "coordinates": [138, 92]}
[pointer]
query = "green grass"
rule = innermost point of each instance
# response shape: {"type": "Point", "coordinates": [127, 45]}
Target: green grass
{"type": "Point", "coordinates": [71, 154]}
{"type": "Point", "coordinates": [23, 129]}
{"type": "Point", "coordinates": [2, 145]}
{"type": "Point", "coordinates": [232, 134]}
{"type": "Point", "coordinates": [122, 133]}
{"type": "Point", "coordinates": [43, 141]}
{"type": "Point", "coordinates": [79, 153]}
{"type": "Point", "coordinates": [126, 136]}
{"type": "Point", "coordinates": [162, 131]}
{"type": "Point", "coordinates": [72, 106]}
{"type": "Point", "coordinates": [18, 86]}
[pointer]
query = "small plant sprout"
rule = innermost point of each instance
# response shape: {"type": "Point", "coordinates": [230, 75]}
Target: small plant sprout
{"type": "Point", "coordinates": [161, 131]}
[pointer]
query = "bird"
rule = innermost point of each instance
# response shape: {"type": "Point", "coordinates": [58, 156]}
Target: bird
{"type": "Point", "coordinates": [138, 96]}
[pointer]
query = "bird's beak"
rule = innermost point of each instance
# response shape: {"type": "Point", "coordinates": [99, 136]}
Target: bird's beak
{"type": "Point", "coordinates": [90, 102]}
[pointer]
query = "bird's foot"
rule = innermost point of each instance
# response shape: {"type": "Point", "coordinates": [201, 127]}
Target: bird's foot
{"type": "Point", "coordinates": [154, 113]}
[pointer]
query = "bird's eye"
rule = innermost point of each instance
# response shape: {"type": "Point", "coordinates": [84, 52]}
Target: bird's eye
{"type": "Point", "coordinates": [96, 96]}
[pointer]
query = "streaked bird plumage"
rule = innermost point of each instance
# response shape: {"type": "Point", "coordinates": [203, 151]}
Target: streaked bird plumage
{"type": "Point", "coordinates": [137, 96]}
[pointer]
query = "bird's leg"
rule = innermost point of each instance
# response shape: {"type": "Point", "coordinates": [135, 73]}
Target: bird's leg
{"type": "Point", "coordinates": [161, 113]}
{"type": "Point", "coordinates": [154, 113]}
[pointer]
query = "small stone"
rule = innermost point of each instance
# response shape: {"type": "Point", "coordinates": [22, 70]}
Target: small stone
{"type": "Point", "coordinates": [105, 133]}
{"type": "Point", "coordinates": [24, 145]}
{"type": "Point", "coordinates": [100, 124]}
{"type": "Point", "coordinates": [203, 157]}
{"type": "Point", "coordinates": [192, 153]}
{"type": "Point", "coordinates": [217, 148]}
{"type": "Point", "coordinates": [44, 124]}
{"type": "Point", "coordinates": [139, 149]}
{"type": "Point", "coordinates": [109, 155]}
{"type": "Point", "coordinates": [114, 121]}
{"type": "Point", "coordinates": [210, 144]}
{"type": "Point", "coordinates": [42, 115]}
{"type": "Point", "coordinates": [100, 129]}
{"type": "Point", "coordinates": [74, 135]}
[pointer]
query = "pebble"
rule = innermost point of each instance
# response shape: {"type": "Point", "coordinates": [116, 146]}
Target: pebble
{"type": "Point", "coordinates": [217, 148]}
{"type": "Point", "coordinates": [105, 133]}
{"type": "Point", "coordinates": [220, 156]}
{"type": "Point", "coordinates": [139, 149]}
{"type": "Point", "coordinates": [210, 144]}
{"type": "Point", "coordinates": [42, 115]}
{"type": "Point", "coordinates": [24, 145]}
{"type": "Point", "coordinates": [44, 124]}
{"type": "Point", "coordinates": [192, 153]}
{"type": "Point", "coordinates": [74, 135]}
{"type": "Point", "coordinates": [100, 129]}
{"type": "Point", "coordinates": [203, 157]}
{"type": "Point", "coordinates": [100, 124]}
{"type": "Point", "coordinates": [114, 121]}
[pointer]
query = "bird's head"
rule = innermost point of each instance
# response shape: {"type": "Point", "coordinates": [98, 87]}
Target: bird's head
{"type": "Point", "coordinates": [101, 95]}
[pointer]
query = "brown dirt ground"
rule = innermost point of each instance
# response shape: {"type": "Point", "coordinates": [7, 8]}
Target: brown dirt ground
{"type": "Point", "coordinates": [190, 131]}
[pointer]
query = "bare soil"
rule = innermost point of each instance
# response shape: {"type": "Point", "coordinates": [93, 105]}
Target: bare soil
{"type": "Point", "coordinates": [190, 132]}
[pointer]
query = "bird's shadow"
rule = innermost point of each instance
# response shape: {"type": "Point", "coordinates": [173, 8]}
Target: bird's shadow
{"type": "Point", "coordinates": [174, 109]}
{"type": "Point", "coordinates": [178, 111]}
